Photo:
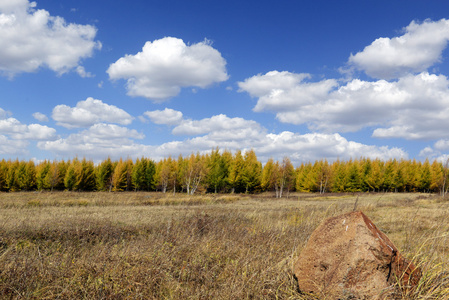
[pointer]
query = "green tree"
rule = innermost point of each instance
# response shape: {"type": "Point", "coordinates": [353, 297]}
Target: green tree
{"type": "Point", "coordinates": [323, 175]}
{"type": "Point", "coordinates": [269, 176]}
{"type": "Point", "coordinates": [339, 169]}
{"type": "Point", "coordinates": [62, 171]}
{"type": "Point", "coordinates": [235, 177]}
{"type": "Point", "coordinates": [227, 159]}
{"type": "Point", "coordinates": [54, 177]}
{"type": "Point", "coordinates": [376, 179]}
{"type": "Point", "coordinates": [183, 165]}
{"type": "Point", "coordinates": [121, 178]}
{"type": "Point", "coordinates": [445, 177]}
{"type": "Point", "coordinates": [163, 173]}
{"type": "Point", "coordinates": [43, 169]}
{"type": "Point", "coordinates": [436, 177]}
{"type": "Point", "coordinates": [3, 175]}
{"type": "Point", "coordinates": [218, 171]}
{"type": "Point", "coordinates": [30, 178]}
{"type": "Point", "coordinates": [252, 172]}
{"type": "Point", "coordinates": [150, 172]}
{"type": "Point", "coordinates": [354, 179]}
{"type": "Point", "coordinates": [20, 174]}
{"type": "Point", "coordinates": [400, 177]}
{"type": "Point", "coordinates": [286, 176]}
{"type": "Point", "coordinates": [70, 176]}
{"type": "Point", "coordinates": [413, 175]}
{"type": "Point", "coordinates": [425, 179]}
{"type": "Point", "coordinates": [173, 176]}
{"type": "Point", "coordinates": [11, 182]}
{"type": "Point", "coordinates": [389, 175]}
{"type": "Point", "coordinates": [143, 174]}
{"type": "Point", "coordinates": [306, 178]}
{"type": "Point", "coordinates": [186, 171]}
{"type": "Point", "coordinates": [194, 173]}
{"type": "Point", "coordinates": [85, 176]}
{"type": "Point", "coordinates": [104, 175]}
{"type": "Point", "coordinates": [366, 171]}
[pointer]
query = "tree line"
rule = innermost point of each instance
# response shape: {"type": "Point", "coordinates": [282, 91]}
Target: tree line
{"type": "Point", "coordinates": [225, 172]}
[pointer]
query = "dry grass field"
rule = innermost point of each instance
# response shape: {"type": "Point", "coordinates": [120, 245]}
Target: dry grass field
{"type": "Point", "coordinates": [154, 246]}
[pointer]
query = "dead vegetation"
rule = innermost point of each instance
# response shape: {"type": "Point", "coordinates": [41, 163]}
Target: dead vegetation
{"type": "Point", "coordinates": [153, 246]}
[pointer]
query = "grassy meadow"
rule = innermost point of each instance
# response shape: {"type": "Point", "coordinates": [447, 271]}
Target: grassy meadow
{"type": "Point", "coordinates": [101, 245]}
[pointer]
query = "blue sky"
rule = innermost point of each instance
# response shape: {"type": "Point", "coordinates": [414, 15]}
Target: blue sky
{"type": "Point", "coordinates": [304, 79]}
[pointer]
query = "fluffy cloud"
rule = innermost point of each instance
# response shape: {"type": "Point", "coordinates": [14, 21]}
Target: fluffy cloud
{"type": "Point", "coordinates": [442, 145]}
{"type": "Point", "coordinates": [103, 140]}
{"type": "Point", "coordinates": [15, 136]}
{"type": "Point", "coordinates": [422, 114]}
{"type": "Point", "coordinates": [111, 132]}
{"type": "Point", "coordinates": [284, 90]}
{"type": "Point", "coordinates": [9, 6]}
{"type": "Point", "coordinates": [18, 131]}
{"type": "Point", "coordinates": [413, 107]}
{"type": "Point", "coordinates": [315, 146]}
{"type": "Point", "coordinates": [83, 73]}
{"type": "Point", "coordinates": [31, 39]}
{"type": "Point", "coordinates": [300, 148]}
{"type": "Point", "coordinates": [12, 147]}
{"type": "Point", "coordinates": [167, 116]}
{"type": "Point", "coordinates": [237, 133]}
{"type": "Point", "coordinates": [219, 125]}
{"type": "Point", "coordinates": [40, 117]}
{"type": "Point", "coordinates": [165, 66]}
{"type": "Point", "coordinates": [98, 141]}
{"type": "Point", "coordinates": [435, 152]}
{"type": "Point", "coordinates": [89, 112]}
{"type": "Point", "coordinates": [415, 51]}
{"type": "Point", "coordinates": [4, 114]}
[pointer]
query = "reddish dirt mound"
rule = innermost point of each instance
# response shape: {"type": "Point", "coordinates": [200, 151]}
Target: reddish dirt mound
{"type": "Point", "coordinates": [347, 257]}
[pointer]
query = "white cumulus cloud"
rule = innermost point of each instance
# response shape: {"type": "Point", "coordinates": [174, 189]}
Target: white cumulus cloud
{"type": "Point", "coordinates": [316, 146]}
{"type": "Point", "coordinates": [167, 116]}
{"type": "Point", "coordinates": [110, 132]}
{"type": "Point", "coordinates": [18, 131]}
{"type": "Point", "coordinates": [4, 114]}
{"type": "Point", "coordinates": [166, 65]}
{"type": "Point", "coordinates": [32, 39]}
{"type": "Point", "coordinates": [83, 73]}
{"type": "Point", "coordinates": [415, 51]}
{"type": "Point", "coordinates": [99, 141]}
{"type": "Point", "coordinates": [437, 151]}
{"type": "Point", "coordinates": [238, 133]}
{"type": "Point", "coordinates": [412, 107]}
{"type": "Point", "coordinates": [15, 136]}
{"type": "Point", "coordinates": [40, 117]}
{"type": "Point", "coordinates": [284, 91]}
{"type": "Point", "coordinates": [12, 147]}
{"type": "Point", "coordinates": [219, 124]}
{"type": "Point", "coordinates": [299, 147]}
{"type": "Point", "coordinates": [103, 140]}
{"type": "Point", "coordinates": [89, 112]}
{"type": "Point", "coordinates": [442, 145]}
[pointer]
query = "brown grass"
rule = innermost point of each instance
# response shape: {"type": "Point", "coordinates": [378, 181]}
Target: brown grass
{"type": "Point", "coordinates": [154, 246]}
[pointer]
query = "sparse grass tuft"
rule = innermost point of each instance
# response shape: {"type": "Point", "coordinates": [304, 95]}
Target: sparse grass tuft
{"type": "Point", "coordinates": [154, 246]}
